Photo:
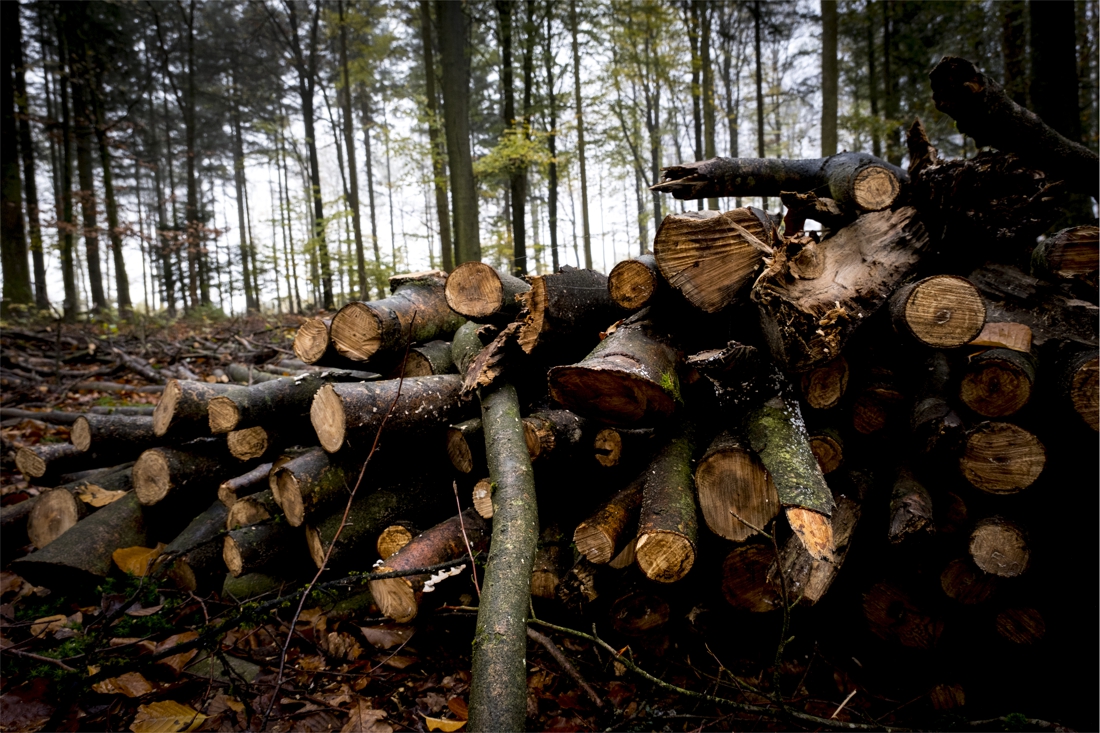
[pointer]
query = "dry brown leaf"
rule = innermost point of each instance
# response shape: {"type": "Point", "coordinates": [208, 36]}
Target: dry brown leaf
{"type": "Point", "coordinates": [25, 708]}
{"type": "Point", "coordinates": [177, 662]}
{"type": "Point", "coordinates": [399, 661]}
{"type": "Point", "coordinates": [458, 706]}
{"type": "Point", "coordinates": [311, 663]}
{"type": "Point", "coordinates": [10, 583]}
{"type": "Point", "coordinates": [131, 684]}
{"type": "Point", "coordinates": [342, 646]}
{"type": "Point", "coordinates": [387, 636]}
{"type": "Point", "coordinates": [98, 496]}
{"type": "Point", "coordinates": [139, 612]}
{"type": "Point", "coordinates": [167, 716]}
{"type": "Point", "coordinates": [365, 719]}
{"type": "Point", "coordinates": [447, 726]}
{"type": "Point", "coordinates": [137, 560]}
{"type": "Point", "coordinates": [49, 624]}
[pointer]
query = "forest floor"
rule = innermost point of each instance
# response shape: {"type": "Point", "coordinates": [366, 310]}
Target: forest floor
{"type": "Point", "coordinates": [82, 659]}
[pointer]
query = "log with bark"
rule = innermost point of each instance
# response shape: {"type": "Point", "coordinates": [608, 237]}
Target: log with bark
{"type": "Point", "coordinates": [668, 524]}
{"type": "Point", "coordinates": [1071, 254]}
{"type": "Point", "coordinates": [258, 547]}
{"type": "Point", "coordinates": [998, 383]}
{"type": "Point", "coordinates": [431, 358]}
{"type": "Point", "coordinates": [193, 559]}
{"type": "Point", "coordinates": [127, 436]}
{"type": "Point", "coordinates": [231, 489]}
{"type": "Point", "coordinates": [941, 311]}
{"type": "Point", "coordinates": [622, 446]}
{"type": "Point", "coordinates": [183, 409]}
{"type": "Point", "coordinates": [823, 387]}
{"type": "Point", "coordinates": [311, 481]}
{"type": "Point", "coordinates": [466, 446]}
{"type": "Point", "coordinates": [634, 284]}
{"type": "Point", "coordinates": [613, 524]}
{"type": "Point", "coordinates": [736, 494]}
{"type": "Point", "coordinates": [566, 309]}
{"type": "Point", "coordinates": [48, 461]}
{"type": "Point", "coordinates": [1076, 380]}
{"type": "Point", "coordinates": [194, 470]}
{"type": "Point", "coordinates": [57, 510]}
{"type": "Point", "coordinates": [557, 434]}
{"type": "Point", "coordinates": [910, 509]}
{"type": "Point", "coordinates": [482, 294]}
{"type": "Point", "coordinates": [283, 398]}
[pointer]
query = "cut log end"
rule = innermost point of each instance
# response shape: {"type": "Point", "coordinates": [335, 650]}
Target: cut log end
{"type": "Point", "coordinates": [736, 495]}
{"type": "Point", "coordinates": [316, 546]}
{"type": "Point", "coordinates": [619, 397]}
{"type": "Point", "coordinates": [166, 408]}
{"type": "Point", "coordinates": [289, 497]}
{"type": "Point", "coordinates": [823, 387]}
{"type": "Point", "coordinates": [998, 382]}
{"type": "Point", "coordinates": [417, 365]}
{"type": "Point", "coordinates": [231, 553]}
{"type": "Point", "coordinates": [395, 597]}
{"type": "Point", "coordinates": [594, 543]}
{"type": "Point", "coordinates": [608, 446]}
{"type": "Point", "coordinates": [532, 439]}
{"type": "Point", "coordinates": [81, 434]}
{"type": "Point", "coordinates": [875, 188]}
{"type": "Point", "coordinates": [964, 583]}
{"type": "Point", "coordinates": [392, 539]}
{"type": "Point", "coordinates": [1084, 392]}
{"type": "Point", "coordinates": [632, 284]}
{"type": "Point", "coordinates": [327, 416]}
{"type": "Point", "coordinates": [458, 450]}
{"type": "Point", "coordinates": [53, 514]}
{"type": "Point", "coordinates": [29, 463]}
{"type": "Point", "coordinates": [828, 451]}
{"type": "Point", "coordinates": [535, 302]}
{"type": "Point", "coordinates": [246, 512]}
{"type": "Point", "coordinates": [152, 477]}
{"type": "Point", "coordinates": [311, 341]}
{"type": "Point", "coordinates": [745, 579]}
{"type": "Point", "coordinates": [664, 556]}
{"type": "Point", "coordinates": [356, 332]}
{"type": "Point", "coordinates": [1001, 458]}
{"type": "Point", "coordinates": [248, 443]}
{"type": "Point", "coordinates": [483, 498]}
{"type": "Point", "coordinates": [944, 311]}
{"type": "Point", "coordinates": [474, 290]}
{"type": "Point", "coordinates": [224, 415]}
{"type": "Point", "coordinates": [999, 548]}
{"type": "Point", "coordinates": [1023, 626]}
{"type": "Point", "coordinates": [815, 530]}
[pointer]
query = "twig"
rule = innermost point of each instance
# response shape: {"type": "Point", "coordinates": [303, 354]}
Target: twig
{"type": "Point", "coordinates": [841, 706]}
{"type": "Point", "coordinates": [340, 529]}
{"type": "Point", "coordinates": [462, 526]}
{"type": "Point", "coordinates": [563, 661]}
{"type": "Point", "coordinates": [38, 658]}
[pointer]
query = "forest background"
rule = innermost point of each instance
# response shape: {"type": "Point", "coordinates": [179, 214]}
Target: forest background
{"type": "Point", "coordinates": [282, 156]}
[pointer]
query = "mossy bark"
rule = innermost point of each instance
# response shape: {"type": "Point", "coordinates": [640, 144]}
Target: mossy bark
{"type": "Point", "coordinates": [195, 555]}
{"type": "Point", "coordinates": [668, 525]}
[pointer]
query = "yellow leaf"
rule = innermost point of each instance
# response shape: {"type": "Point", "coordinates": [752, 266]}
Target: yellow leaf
{"type": "Point", "coordinates": [48, 624]}
{"type": "Point", "coordinates": [447, 726]}
{"type": "Point", "coordinates": [167, 716]}
{"type": "Point", "coordinates": [97, 496]}
{"type": "Point", "coordinates": [131, 684]}
{"type": "Point", "coordinates": [137, 560]}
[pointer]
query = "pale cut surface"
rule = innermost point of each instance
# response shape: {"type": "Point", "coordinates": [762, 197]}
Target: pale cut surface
{"type": "Point", "coordinates": [619, 397]}
{"type": "Point", "coordinates": [815, 530]}
{"type": "Point", "coordinates": [474, 290]}
{"type": "Point", "coordinates": [736, 495]}
{"type": "Point", "coordinates": [289, 498]}
{"type": "Point", "coordinates": [823, 387]}
{"type": "Point", "coordinates": [625, 558]}
{"type": "Point", "coordinates": [417, 365]}
{"type": "Point", "coordinates": [232, 556]}
{"type": "Point", "coordinates": [166, 408]}
{"type": "Point", "coordinates": [999, 548]}
{"type": "Point", "coordinates": [356, 332]}
{"type": "Point", "coordinates": [316, 547]}
{"type": "Point", "coordinates": [945, 311]}
{"type": "Point", "coordinates": [248, 443]}
{"type": "Point", "coordinates": [483, 498]}
{"type": "Point", "coordinates": [875, 188]}
{"type": "Point", "coordinates": [30, 463]}
{"type": "Point", "coordinates": [664, 556]}
{"type": "Point", "coordinates": [223, 414]}
{"type": "Point", "coordinates": [745, 579]}
{"type": "Point", "coordinates": [327, 415]}
{"type": "Point", "coordinates": [244, 512]}
{"type": "Point", "coordinates": [827, 451]}
{"type": "Point", "coordinates": [392, 539]}
{"type": "Point", "coordinates": [631, 284]}
{"type": "Point", "coordinates": [1004, 335]}
{"type": "Point", "coordinates": [395, 597]}
{"type": "Point", "coordinates": [151, 477]}
{"type": "Point", "coordinates": [534, 301]}
{"type": "Point", "coordinates": [311, 340]}
{"type": "Point", "coordinates": [593, 543]}
{"type": "Point", "coordinates": [609, 447]}
{"type": "Point", "coordinates": [53, 514]}
{"type": "Point", "coordinates": [1002, 458]}
{"type": "Point", "coordinates": [1085, 393]}
{"type": "Point", "coordinates": [81, 434]}
{"type": "Point", "coordinates": [459, 451]}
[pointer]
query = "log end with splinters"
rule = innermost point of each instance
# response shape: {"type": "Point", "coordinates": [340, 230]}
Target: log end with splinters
{"type": "Point", "coordinates": [736, 495]}
{"type": "Point", "coordinates": [166, 407]}
{"type": "Point", "coordinates": [483, 498]}
{"type": "Point", "coordinates": [664, 556]}
{"type": "Point", "coordinates": [396, 597]}
{"type": "Point", "coordinates": [248, 443]}
{"type": "Point", "coordinates": [1001, 458]}
{"type": "Point", "coordinates": [311, 341]}
{"type": "Point", "coordinates": [632, 284]}
{"type": "Point", "coordinates": [815, 530]}
{"type": "Point", "coordinates": [81, 434]}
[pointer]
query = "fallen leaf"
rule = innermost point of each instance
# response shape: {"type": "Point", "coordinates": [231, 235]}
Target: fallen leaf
{"type": "Point", "coordinates": [311, 663]}
{"type": "Point", "coordinates": [48, 624]}
{"type": "Point", "coordinates": [223, 703]}
{"type": "Point", "coordinates": [137, 560]}
{"type": "Point", "coordinates": [399, 661]}
{"type": "Point", "coordinates": [342, 646]}
{"type": "Point", "coordinates": [458, 706]}
{"type": "Point", "coordinates": [25, 708]}
{"type": "Point", "coordinates": [443, 724]}
{"type": "Point", "coordinates": [131, 684]}
{"type": "Point", "coordinates": [387, 636]}
{"type": "Point", "coordinates": [365, 719]}
{"type": "Point", "coordinates": [10, 583]}
{"type": "Point", "coordinates": [139, 612]}
{"type": "Point", "coordinates": [177, 662]}
{"type": "Point", "coordinates": [167, 716]}
{"type": "Point", "coordinates": [207, 667]}
{"type": "Point", "coordinates": [98, 496]}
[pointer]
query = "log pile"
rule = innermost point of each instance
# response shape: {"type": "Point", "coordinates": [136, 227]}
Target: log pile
{"type": "Point", "coordinates": [746, 412]}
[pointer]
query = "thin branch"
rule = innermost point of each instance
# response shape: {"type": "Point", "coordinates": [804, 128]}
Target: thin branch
{"type": "Point", "coordinates": [564, 662]}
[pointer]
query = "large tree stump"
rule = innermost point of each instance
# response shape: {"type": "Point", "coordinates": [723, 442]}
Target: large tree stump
{"type": "Point", "coordinates": [668, 524]}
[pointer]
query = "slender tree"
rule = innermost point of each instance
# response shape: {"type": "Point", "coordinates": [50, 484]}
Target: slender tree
{"type": "Point", "coordinates": [13, 241]}
{"type": "Point", "coordinates": [579, 113]}
{"type": "Point", "coordinates": [68, 260]}
{"type": "Point", "coordinates": [828, 77]}
{"type": "Point", "coordinates": [551, 136]}
{"type": "Point", "coordinates": [114, 230]}
{"type": "Point", "coordinates": [709, 147]}
{"type": "Point", "coordinates": [434, 139]}
{"type": "Point", "coordinates": [30, 186]}
{"type": "Point", "coordinates": [353, 168]}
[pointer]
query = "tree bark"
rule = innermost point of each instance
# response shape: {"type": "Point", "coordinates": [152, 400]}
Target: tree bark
{"type": "Point", "coordinates": [438, 152]}
{"type": "Point", "coordinates": [30, 186]}
{"type": "Point", "coordinates": [829, 77]}
{"type": "Point", "coordinates": [230, 490]}
{"type": "Point", "coordinates": [59, 509]}
{"type": "Point", "coordinates": [668, 524]}
{"type": "Point", "coordinates": [13, 252]}
{"type": "Point", "coordinates": [555, 433]}
{"type": "Point", "coordinates": [579, 110]}
{"type": "Point", "coordinates": [183, 409]}
{"type": "Point", "coordinates": [123, 434]}
{"type": "Point", "coordinates": [264, 403]}
{"type": "Point", "coordinates": [83, 132]}
{"type": "Point", "coordinates": [570, 307]}
{"type": "Point", "coordinates": [65, 205]}
{"type": "Point", "coordinates": [114, 233]}
{"type": "Point", "coordinates": [910, 509]}
{"type": "Point", "coordinates": [601, 535]}
{"type": "Point", "coordinates": [194, 556]}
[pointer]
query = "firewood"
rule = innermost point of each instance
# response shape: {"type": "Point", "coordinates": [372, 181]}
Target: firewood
{"type": "Point", "coordinates": [465, 346]}
{"type": "Point", "coordinates": [639, 612]}
{"type": "Point", "coordinates": [398, 598]}
{"type": "Point", "coordinates": [252, 509]}
{"type": "Point", "coordinates": [309, 482]}
{"type": "Point", "coordinates": [621, 446]}
{"type": "Point", "coordinates": [828, 448]}
{"type": "Point", "coordinates": [710, 257]}
{"type": "Point", "coordinates": [124, 434]}
{"type": "Point", "coordinates": [568, 308]}
{"type": "Point", "coordinates": [1071, 254]}
{"type": "Point", "coordinates": [340, 411]}
{"type": "Point", "coordinates": [483, 498]}
{"type": "Point", "coordinates": [1001, 458]}
{"type": "Point", "coordinates": [552, 562]}
{"type": "Point", "coordinates": [479, 293]}
{"type": "Point", "coordinates": [941, 311]}
{"type": "Point", "coordinates": [498, 692]}
{"type": "Point", "coordinates": [259, 546]}
{"type": "Point", "coordinates": [249, 375]}
{"type": "Point", "coordinates": [578, 589]}
{"type": "Point", "coordinates": [634, 284]}
{"type": "Point", "coordinates": [196, 470]}
{"type": "Point", "coordinates": [194, 556]}
{"type": "Point", "coordinates": [311, 342]}
{"type": "Point", "coordinates": [1076, 376]}
{"type": "Point", "coordinates": [48, 461]}
{"type": "Point", "coordinates": [376, 332]}
{"type": "Point", "coordinates": [392, 539]}
{"type": "Point", "coordinates": [465, 446]}
{"type": "Point", "coordinates": [431, 358]}
{"type": "Point", "coordinates": [807, 578]}
{"type": "Point", "coordinates": [1053, 315]}
{"type": "Point", "coordinates": [1000, 547]}
{"type": "Point", "coordinates": [910, 509]}
{"type": "Point", "coordinates": [182, 411]}
{"type": "Point", "coordinates": [245, 407]}
{"type": "Point", "coordinates": [935, 425]}
{"type": "Point", "coordinates": [613, 524]}
{"type": "Point", "coordinates": [962, 581]}
{"type": "Point", "coordinates": [807, 322]}
{"type": "Point", "coordinates": [56, 511]}
{"type": "Point", "coordinates": [745, 579]}
{"type": "Point", "coordinates": [268, 442]}
{"type": "Point", "coordinates": [1024, 626]}
{"type": "Point", "coordinates": [808, 205]}
{"type": "Point", "coordinates": [861, 181]}
{"type": "Point", "coordinates": [629, 379]}
{"type": "Point", "coordinates": [230, 489]}
{"type": "Point", "coordinates": [824, 386]}
{"type": "Point", "coordinates": [736, 495]}
{"type": "Point", "coordinates": [894, 614]}
{"type": "Point", "coordinates": [557, 433]}
{"type": "Point", "coordinates": [1002, 335]}
{"type": "Point", "coordinates": [143, 410]}
{"type": "Point", "coordinates": [13, 524]}
{"type": "Point", "coordinates": [998, 382]}
{"type": "Point", "coordinates": [878, 403]}
{"type": "Point", "coordinates": [253, 585]}
{"type": "Point", "coordinates": [668, 522]}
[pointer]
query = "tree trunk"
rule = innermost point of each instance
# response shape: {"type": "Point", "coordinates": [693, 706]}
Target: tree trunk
{"type": "Point", "coordinates": [353, 168]}
{"type": "Point", "coordinates": [567, 308]}
{"type": "Point", "coordinates": [668, 524]}
{"type": "Point", "coordinates": [263, 403]}
{"type": "Point", "coordinates": [517, 181]}
{"type": "Point", "coordinates": [250, 291]}
{"type": "Point", "coordinates": [114, 232]}
{"type": "Point", "coordinates": [760, 151]}
{"type": "Point", "coordinates": [84, 126]}
{"type": "Point", "coordinates": [182, 411]}
{"type": "Point", "coordinates": [380, 278]}
{"type": "Point", "coordinates": [1054, 69]}
{"type": "Point", "coordinates": [829, 77]}
{"type": "Point", "coordinates": [17, 275]}
{"type": "Point", "coordinates": [30, 187]}
{"type": "Point", "coordinates": [195, 557]}
{"type": "Point", "coordinates": [438, 152]}
{"type": "Point", "coordinates": [117, 433]}
{"type": "Point", "coordinates": [579, 112]}
{"type": "Point", "coordinates": [551, 138]}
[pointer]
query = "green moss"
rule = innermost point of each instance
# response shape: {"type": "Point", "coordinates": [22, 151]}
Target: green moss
{"type": "Point", "coordinates": [670, 384]}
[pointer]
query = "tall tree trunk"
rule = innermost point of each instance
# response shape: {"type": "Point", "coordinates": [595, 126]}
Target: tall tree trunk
{"type": "Point", "coordinates": [828, 78]}
{"type": "Point", "coordinates": [68, 261]}
{"type": "Point", "coordinates": [389, 188]}
{"type": "Point", "coordinates": [520, 193]}
{"type": "Point", "coordinates": [199, 293]}
{"type": "Point", "coordinates": [551, 137]}
{"type": "Point", "coordinates": [691, 19]}
{"type": "Point", "coordinates": [88, 208]}
{"type": "Point", "coordinates": [579, 110]}
{"type": "Point", "coordinates": [163, 246]}
{"type": "Point", "coordinates": [889, 85]}
{"type": "Point", "coordinates": [756, 21]}
{"type": "Point", "coordinates": [709, 148]}
{"type": "Point", "coordinates": [288, 232]}
{"type": "Point", "coordinates": [174, 244]}
{"type": "Point", "coordinates": [872, 81]}
{"type": "Point", "coordinates": [239, 183]}
{"type": "Point", "coordinates": [379, 278]}
{"type": "Point", "coordinates": [1054, 66]}
{"type": "Point", "coordinates": [30, 188]}
{"type": "Point", "coordinates": [13, 241]}
{"type": "Point", "coordinates": [353, 169]}
{"type": "Point", "coordinates": [114, 231]}
{"type": "Point", "coordinates": [1014, 49]}
{"type": "Point", "coordinates": [436, 144]}
{"type": "Point", "coordinates": [453, 41]}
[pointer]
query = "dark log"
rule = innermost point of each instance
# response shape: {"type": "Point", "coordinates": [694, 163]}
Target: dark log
{"type": "Point", "coordinates": [479, 293]}
{"type": "Point", "coordinates": [139, 366]}
{"type": "Point", "coordinates": [935, 425]}
{"type": "Point", "coordinates": [621, 446]}
{"type": "Point", "coordinates": [807, 322]}
{"type": "Point", "coordinates": [568, 308]}
{"type": "Point", "coordinates": [639, 612]}
{"type": "Point", "coordinates": [878, 402]}
{"type": "Point", "coordinates": [824, 386]}
{"type": "Point", "coordinates": [807, 578]}
{"type": "Point", "coordinates": [1015, 296]}
{"type": "Point", "coordinates": [1001, 458]}
{"type": "Point", "coordinates": [1071, 254]}
{"type": "Point", "coordinates": [259, 546]}
{"type": "Point", "coordinates": [962, 581]}
{"type": "Point", "coordinates": [498, 691]}
{"type": "Point", "coordinates": [634, 284]}
{"type": "Point", "coordinates": [125, 435]}
{"type": "Point", "coordinates": [629, 379]}
{"type": "Point", "coordinates": [554, 433]}
{"type": "Point", "coordinates": [466, 447]}
{"type": "Point", "coordinates": [1024, 626]}
{"type": "Point", "coordinates": [941, 311]}
{"type": "Point", "coordinates": [399, 598]}
{"type": "Point", "coordinates": [133, 411]}
{"type": "Point", "coordinates": [245, 407]}
{"type": "Point", "coordinates": [194, 557]}
{"type": "Point", "coordinates": [230, 489]}
{"type": "Point", "coordinates": [182, 411]}
{"type": "Point", "coordinates": [894, 614]}
{"type": "Point", "coordinates": [828, 448]}
{"type": "Point", "coordinates": [59, 510]}
{"type": "Point", "coordinates": [861, 181]}
{"type": "Point", "coordinates": [54, 417]}
{"type": "Point", "coordinates": [998, 383]}
{"type": "Point", "coordinates": [1077, 382]}
{"type": "Point", "coordinates": [195, 470]}
{"type": "Point", "coordinates": [612, 525]}
{"type": "Point", "coordinates": [254, 585]}
{"type": "Point", "coordinates": [982, 110]}
{"type": "Point", "coordinates": [808, 205]}
{"type": "Point", "coordinates": [745, 579]}
{"type": "Point", "coordinates": [711, 257]}
{"type": "Point", "coordinates": [48, 461]}
{"type": "Point", "coordinates": [579, 589]}
{"type": "Point", "coordinates": [668, 523]}
{"type": "Point", "coordinates": [552, 561]}
{"type": "Point", "coordinates": [249, 375]}
{"type": "Point", "coordinates": [377, 332]}
{"type": "Point", "coordinates": [910, 509]}
{"type": "Point", "coordinates": [309, 482]}
{"type": "Point", "coordinates": [736, 494]}
{"type": "Point", "coordinates": [13, 525]}
{"type": "Point", "coordinates": [999, 547]}
{"type": "Point", "coordinates": [431, 358]}
{"type": "Point", "coordinates": [252, 509]}
{"type": "Point", "coordinates": [343, 410]}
